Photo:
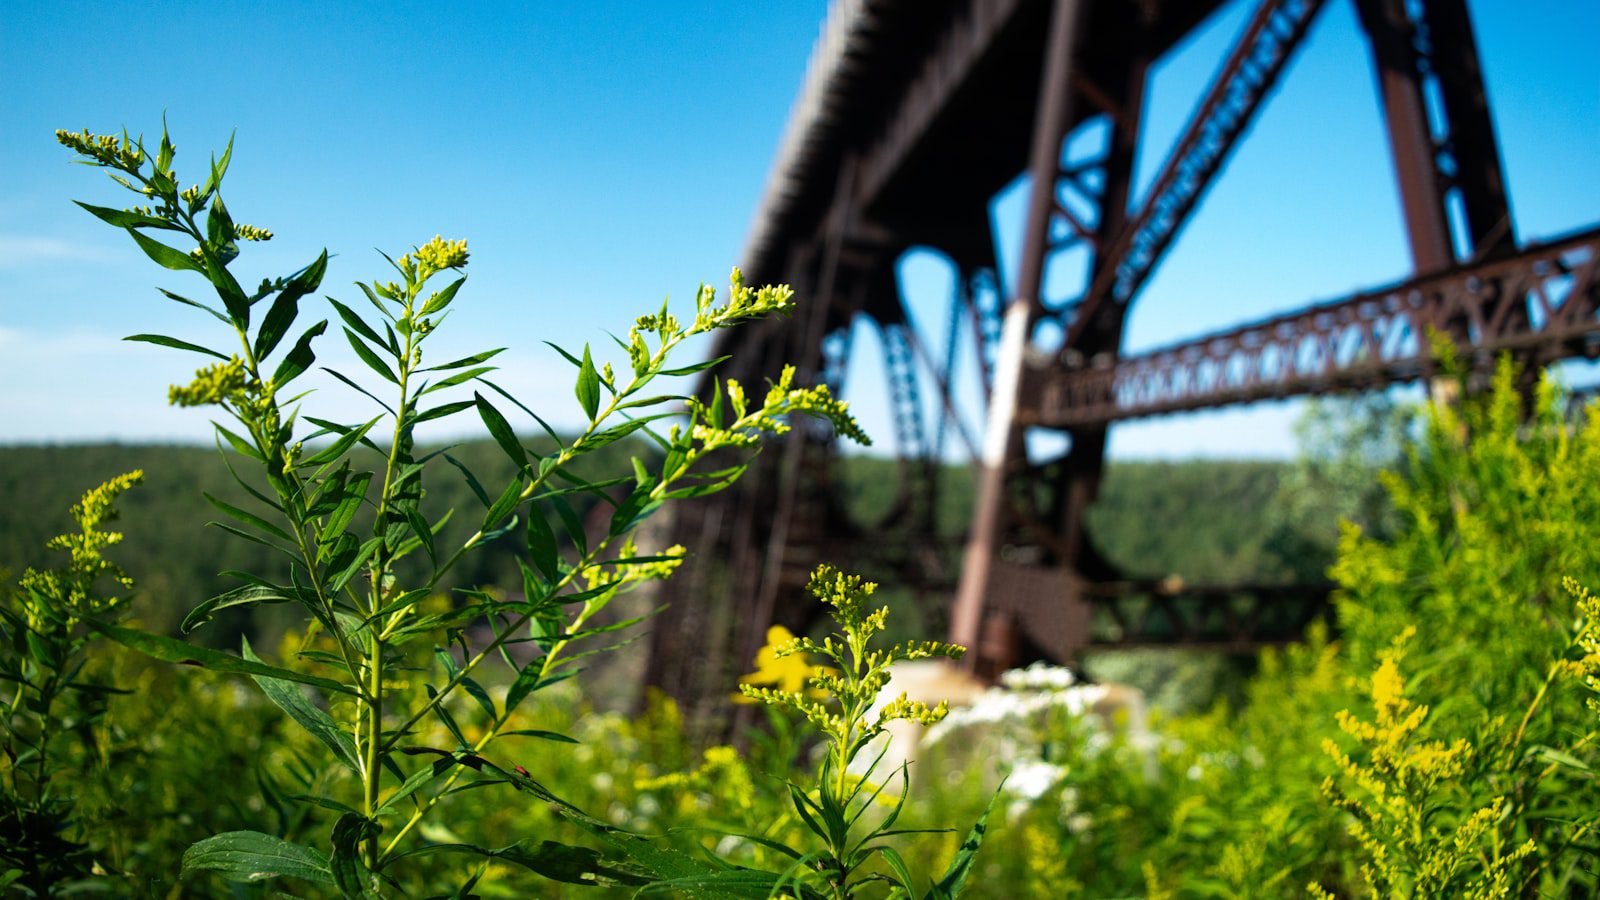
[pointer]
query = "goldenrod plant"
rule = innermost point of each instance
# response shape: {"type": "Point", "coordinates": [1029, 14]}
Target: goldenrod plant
{"type": "Point", "coordinates": [1399, 790]}
{"type": "Point", "coordinates": [847, 856]}
{"type": "Point", "coordinates": [340, 502]}
{"type": "Point", "coordinates": [48, 699]}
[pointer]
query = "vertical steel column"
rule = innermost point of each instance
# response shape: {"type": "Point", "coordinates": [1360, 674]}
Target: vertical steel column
{"type": "Point", "coordinates": [1405, 112]}
{"type": "Point", "coordinates": [1453, 55]}
{"type": "Point", "coordinates": [1085, 462]}
{"type": "Point", "coordinates": [1003, 438]}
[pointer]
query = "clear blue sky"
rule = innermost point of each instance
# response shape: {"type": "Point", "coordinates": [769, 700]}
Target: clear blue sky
{"type": "Point", "coordinates": [600, 155]}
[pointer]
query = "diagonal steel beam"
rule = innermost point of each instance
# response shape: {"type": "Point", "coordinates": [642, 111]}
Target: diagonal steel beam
{"type": "Point", "coordinates": [1249, 74]}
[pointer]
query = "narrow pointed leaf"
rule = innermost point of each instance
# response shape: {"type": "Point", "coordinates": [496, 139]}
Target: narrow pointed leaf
{"type": "Point", "coordinates": [165, 256]}
{"type": "Point", "coordinates": [289, 697]}
{"type": "Point", "coordinates": [373, 361]}
{"type": "Point", "coordinates": [165, 341]}
{"type": "Point", "coordinates": [588, 387]}
{"type": "Point", "coordinates": [176, 651]}
{"type": "Point", "coordinates": [500, 429]}
{"type": "Point", "coordinates": [253, 856]}
{"type": "Point", "coordinates": [299, 357]}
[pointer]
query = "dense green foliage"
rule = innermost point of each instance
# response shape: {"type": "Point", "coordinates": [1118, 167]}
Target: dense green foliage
{"type": "Point", "coordinates": [402, 741]}
{"type": "Point", "coordinates": [1217, 517]}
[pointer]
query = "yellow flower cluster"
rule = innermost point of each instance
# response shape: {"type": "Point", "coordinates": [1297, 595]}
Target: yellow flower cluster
{"type": "Point", "coordinates": [721, 765]}
{"type": "Point", "coordinates": [1402, 778]}
{"type": "Point", "coordinates": [620, 572]}
{"type": "Point", "coordinates": [105, 149]}
{"type": "Point", "coordinates": [743, 303]}
{"type": "Point", "coordinates": [63, 596]}
{"type": "Point", "coordinates": [219, 383]}
{"type": "Point", "coordinates": [251, 233]}
{"type": "Point", "coordinates": [838, 699]}
{"type": "Point", "coordinates": [1587, 667]}
{"type": "Point", "coordinates": [434, 256]}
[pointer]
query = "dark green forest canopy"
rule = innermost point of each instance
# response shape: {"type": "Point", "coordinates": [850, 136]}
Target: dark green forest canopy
{"type": "Point", "coordinates": [1204, 520]}
{"type": "Point", "coordinates": [175, 559]}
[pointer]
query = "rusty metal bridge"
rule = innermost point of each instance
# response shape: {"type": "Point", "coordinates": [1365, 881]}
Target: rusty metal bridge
{"type": "Point", "coordinates": [913, 115]}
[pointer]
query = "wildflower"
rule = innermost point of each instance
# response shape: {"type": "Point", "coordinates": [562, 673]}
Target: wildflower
{"type": "Point", "coordinates": [788, 673]}
{"type": "Point", "coordinates": [219, 383]}
{"type": "Point", "coordinates": [65, 595]}
{"type": "Point", "coordinates": [436, 255]}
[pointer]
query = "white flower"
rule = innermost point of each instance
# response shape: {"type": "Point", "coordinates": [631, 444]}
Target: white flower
{"type": "Point", "coordinates": [1029, 779]}
{"type": "Point", "coordinates": [1039, 677]}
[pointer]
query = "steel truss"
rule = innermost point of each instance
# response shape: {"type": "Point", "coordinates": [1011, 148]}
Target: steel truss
{"type": "Point", "coordinates": [1543, 302]}
{"type": "Point", "coordinates": [914, 115]}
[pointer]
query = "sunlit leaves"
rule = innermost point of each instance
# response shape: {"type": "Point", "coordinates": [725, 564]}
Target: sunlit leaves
{"type": "Point", "coordinates": [253, 856]}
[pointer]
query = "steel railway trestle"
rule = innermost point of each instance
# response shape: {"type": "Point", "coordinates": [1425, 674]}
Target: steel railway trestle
{"type": "Point", "coordinates": [912, 116]}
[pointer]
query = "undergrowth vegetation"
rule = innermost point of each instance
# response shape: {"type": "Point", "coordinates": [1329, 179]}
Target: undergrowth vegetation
{"type": "Point", "coordinates": [416, 734]}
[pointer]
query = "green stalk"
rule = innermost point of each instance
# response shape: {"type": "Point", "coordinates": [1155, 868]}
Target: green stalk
{"type": "Point", "coordinates": [375, 748]}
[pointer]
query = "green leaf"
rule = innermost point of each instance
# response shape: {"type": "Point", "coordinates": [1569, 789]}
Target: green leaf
{"type": "Point", "coordinates": [526, 682]}
{"type": "Point", "coordinates": [542, 545]}
{"type": "Point", "coordinates": [219, 168]}
{"type": "Point", "coordinates": [588, 388]}
{"type": "Point", "coordinates": [617, 433]}
{"type": "Point", "coordinates": [424, 534]}
{"type": "Point", "coordinates": [569, 357]}
{"type": "Point", "coordinates": [354, 492]}
{"type": "Point", "coordinates": [123, 218]}
{"type": "Point", "coordinates": [472, 360]}
{"type": "Point", "coordinates": [458, 378]}
{"type": "Point", "coordinates": [299, 357]}
{"type": "Point", "coordinates": [200, 306]}
{"type": "Point", "coordinates": [542, 735]}
{"type": "Point", "coordinates": [165, 256]}
{"type": "Point", "coordinates": [278, 319]}
{"type": "Point", "coordinates": [442, 299]}
{"type": "Point", "coordinates": [175, 651]}
{"type": "Point", "coordinates": [574, 525]}
{"type": "Point", "coordinates": [533, 415]}
{"type": "Point", "coordinates": [472, 480]}
{"type": "Point", "coordinates": [239, 444]}
{"type": "Point", "coordinates": [955, 877]}
{"type": "Point", "coordinates": [696, 368]}
{"type": "Point", "coordinates": [500, 429]}
{"type": "Point", "coordinates": [248, 518]}
{"type": "Point", "coordinates": [442, 410]}
{"type": "Point", "coordinates": [165, 341]}
{"type": "Point", "coordinates": [349, 873]}
{"type": "Point", "coordinates": [248, 595]}
{"type": "Point", "coordinates": [503, 505]}
{"type": "Point", "coordinates": [339, 447]}
{"type": "Point", "coordinates": [253, 856]}
{"type": "Point", "coordinates": [359, 389]}
{"type": "Point", "coordinates": [219, 224]}
{"type": "Point", "coordinates": [571, 865]}
{"type": "Point", "coordinates": [340, 577]}
{"type": "Point", "coordinates": [370, 358]}
{"type": "Point", "coordinates": [417, 781]}
{"type": "Point", "coordinates": [292, 700]}
{"type": "Point", "coordinates": [284, 309]}
{"type": "Point", "coordinates": [356, 322]}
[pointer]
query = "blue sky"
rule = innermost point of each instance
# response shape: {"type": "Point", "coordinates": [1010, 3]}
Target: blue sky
{"type": "Point", "coordinates": [600, 155]}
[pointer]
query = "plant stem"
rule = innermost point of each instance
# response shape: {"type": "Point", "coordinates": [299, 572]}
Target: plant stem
{"type": "Point", "coordinates": [374, 766]}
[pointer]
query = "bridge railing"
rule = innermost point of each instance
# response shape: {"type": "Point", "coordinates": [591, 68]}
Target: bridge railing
{"type": "Point", "coordinates": [1543, 301]}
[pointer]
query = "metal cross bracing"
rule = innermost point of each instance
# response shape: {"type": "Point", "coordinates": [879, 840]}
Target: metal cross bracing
{"type": "Point", "coordinates": [913, 116]}
{"type": "Point", "coordinates": [1541, 303]}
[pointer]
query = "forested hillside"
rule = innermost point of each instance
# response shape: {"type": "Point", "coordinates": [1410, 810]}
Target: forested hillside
{"type": "Point", "coordinates": [1208, 521]}
{"type": "Point", "coordinates": [171, 554]}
